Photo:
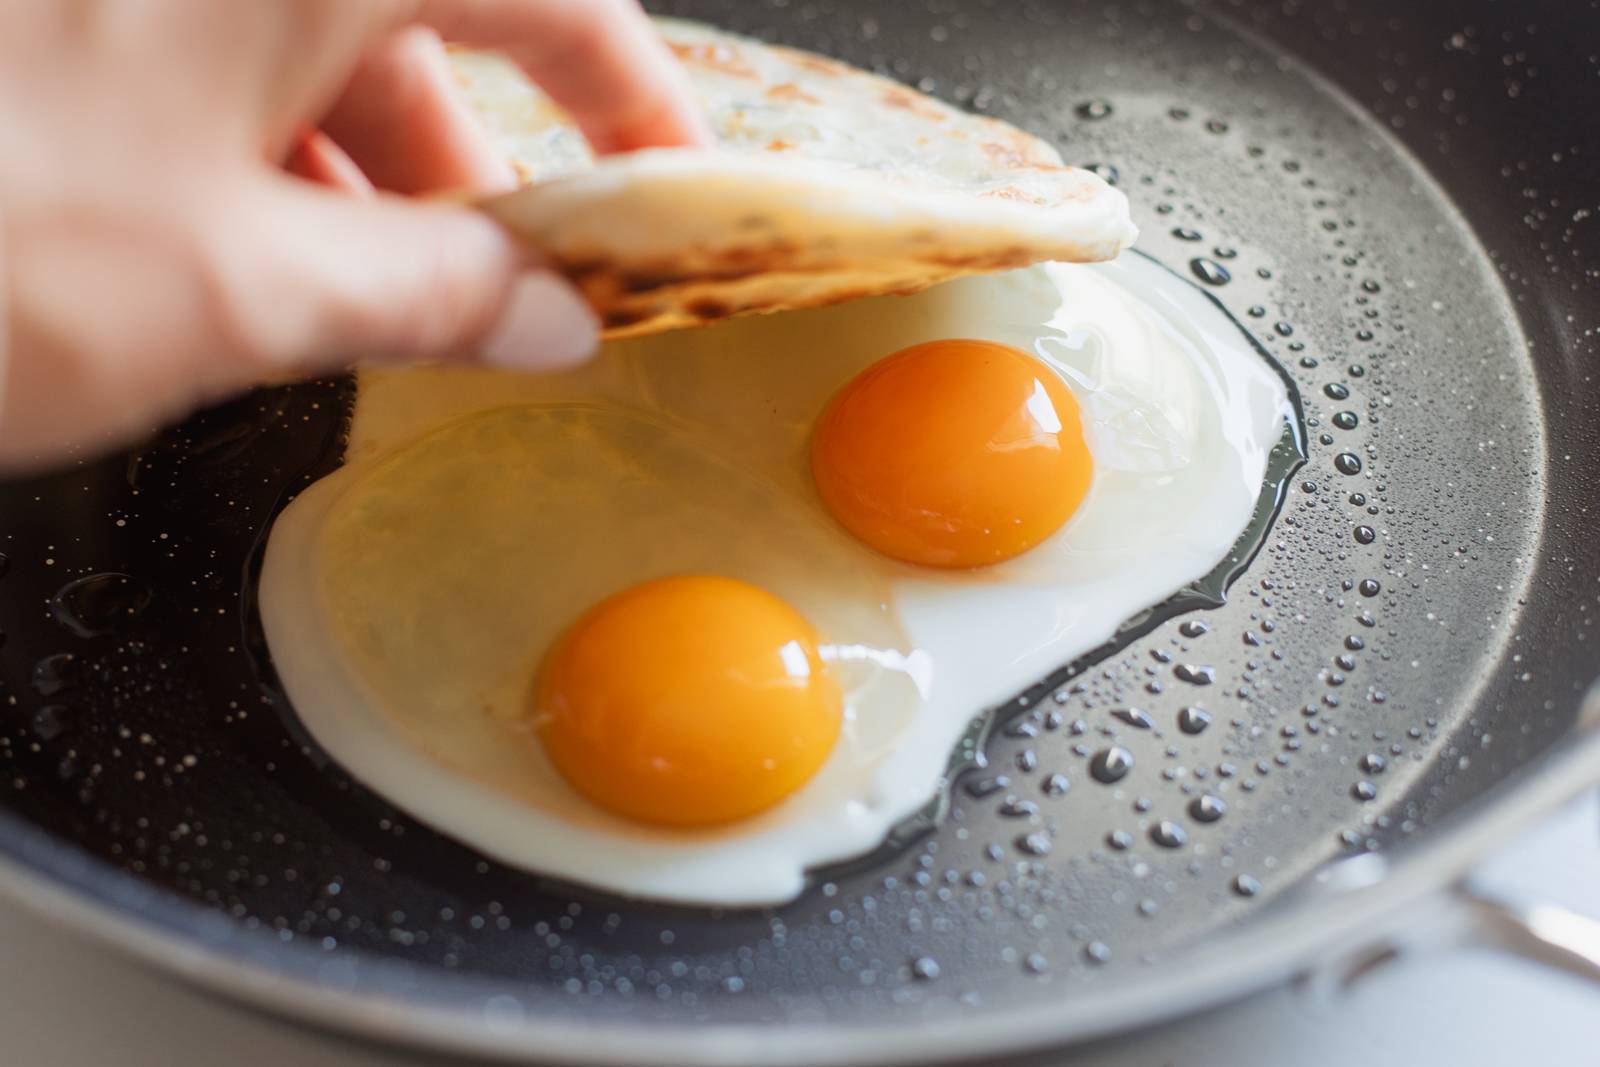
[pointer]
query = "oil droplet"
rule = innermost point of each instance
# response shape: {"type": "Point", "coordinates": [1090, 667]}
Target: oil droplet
{"type": "Point", "coordinates": [100, 603]}
{"type": "Point", "coordinates": [1336, 391]}
{"type": "Point", "coordinates": [1135, 717]}
{"type": "Point", "coordinates": [1210, 271]}
{"type": "Point", "coordinates": [1365, 535]}
{"type": "Point", "coordinates": [1193, 719]}
{"type": "Point", "coordinates": [1034, 844]}
{"type": "Point", "coordinates": [1120, 840]}
{"type": "Point", "coordinates": [1346, 420]}
{"type": "Point", "coordinates": [1056, 785]}
{"type": "Point", "coordinates": [1364, 790]}
{"type": "Point", "coordinates": [1017, 808]}
{"type": "Point", "coordinates": [1207, 808]}
{"type": "Point", "coordinates": [982, 787]}
{"type": "Point", "coordinates": [1246, 886]}
{"type": "Point", "coordinates": [1106, 172]}
{"type": "Point", "coordinates": [1096, 952]}
{"type": "Point", "coordinates": [51, 721]}
{"type": "Point", "coordinates": [1194, 628]}
{"type": "Point", "coordinates": [1373, 763]}
{"type": "Point", "coordinates": [1168, 834]}
{"type": "Point", "coordinates": [925, 968]}
{"type": "Point", "coordinates": [1185, 233]}
{"type": "Point", "coordinates": [54, 673]}
{"type": "Point", "coordinates": [1369, 587]}
{"type": "Point", "coordinates": [1094, 110]}
{"type": "Point", "coordinates": [1036, 963]}
{"type": "Point", "coordinates": [1347, 463]}
{"type": "Point", "coordinates": [1195, 674]}
{"type": "Point", "coordinates": [1111, 764]}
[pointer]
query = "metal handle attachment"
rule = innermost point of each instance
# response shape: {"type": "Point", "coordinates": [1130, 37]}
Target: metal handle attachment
{"type": "Point", "coordinates": [1542, 933]}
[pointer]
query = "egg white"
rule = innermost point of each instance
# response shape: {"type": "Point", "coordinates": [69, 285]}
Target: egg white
{"type": "Point", "coordinates": [408, 597]}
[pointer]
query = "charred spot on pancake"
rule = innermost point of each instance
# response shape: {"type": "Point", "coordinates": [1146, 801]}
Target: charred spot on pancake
{"type": "Point", "coordinates": [707, 309]}
{"type": "Point", "coordinates": [643, 282]}
{"type": "Point", "coordinates": [618, 318]}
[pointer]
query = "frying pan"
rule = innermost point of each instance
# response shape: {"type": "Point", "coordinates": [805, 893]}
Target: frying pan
{"type": "Point", "coordinates": [1403, 201]}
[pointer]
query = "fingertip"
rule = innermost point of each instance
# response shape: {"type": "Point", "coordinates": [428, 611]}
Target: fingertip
{"type": "Point", "coordinates": [544, 324]}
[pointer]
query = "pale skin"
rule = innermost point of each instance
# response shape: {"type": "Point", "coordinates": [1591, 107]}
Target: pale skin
{"type": "Point", "coordinates": [200, 196]}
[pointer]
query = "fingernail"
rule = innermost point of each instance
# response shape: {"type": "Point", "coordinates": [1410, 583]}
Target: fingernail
{"type": "Point", "coordinates": [545, 325]}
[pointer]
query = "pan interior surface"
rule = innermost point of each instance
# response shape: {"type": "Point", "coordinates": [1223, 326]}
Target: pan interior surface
{"type": "Point", "coordinates": [1404, 639]}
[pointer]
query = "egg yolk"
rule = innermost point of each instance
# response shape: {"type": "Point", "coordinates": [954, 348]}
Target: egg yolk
{"type": "Point", "coordinates": [687, 701]}
{"type": "Point", "coordinates": [953, 453]}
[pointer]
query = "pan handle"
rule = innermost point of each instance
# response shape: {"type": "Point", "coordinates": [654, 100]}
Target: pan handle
{"type": "Point", "coordinates": [1541, 933]}
{"type": "Point", "coordinates": [1464, 917]}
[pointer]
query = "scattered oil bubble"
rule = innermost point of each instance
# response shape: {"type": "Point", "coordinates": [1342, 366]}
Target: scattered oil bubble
{"type": "Point", "coordinates": [1246, 886]}
{"type": "Point", "coordinates": [1120, 840]}
{"type": "Point", "coordinates": [1346, 420]}
{"type": "Point", "coordinates": [100, 604]}
{"type": "Point", "coordinates": [1336, 391]}
{"type": "Point", "coordinates": [1096, 952]}
{"type": "Point", "coordinates": [925, 968]}
{"type": "Point", "coordinates": [1372, 763]}
{"type": "Point", "coordinates": [979, 788]}
{"type": "Point", "coordinates": [1210, 271]}
{"type": "Point", "coordinates": [1369, 587]}
{"type": "Point", "coordinates": [1106, 172]}
{"type": "Point", "coordinates": [1194, 628]}
{"type": "Point", "coordinates": [1365, 535]}
{"type": "Point", "coordinates": [1207, 808]}
{"type": "Point", "coordinates": [1017, 808]}
{"type": "Point", "coordinates": [1169, 834]}
{"type": "Point", "coordinates": [1055, 785]}
{"type": "Point", "coordinates": [1034, 844]}
{"type": "Point", "coordinates": [1185, 233]}
{"type": "Point", "coordinates": [1195, 674]}
{"type": "Point", "coordinates": [1347, 463]}
{"type": "Point", "coordinates": [1135, 717]}
{"type": "Point", "coordinates": [1093, 110]}
{"type": "Point", "coordinates": [54, 673]}
{"type": "Point", "coordinates": [1364, 790]}
{"type": "Point", "coordinates": [1111, 764]}
{"type": "Point", "coordinates": [1193, 719]}
{"type": "Point", "coordinates": [50, 721]}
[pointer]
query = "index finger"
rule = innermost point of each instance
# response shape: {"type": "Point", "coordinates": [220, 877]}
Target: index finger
{"type": "Point", "coordinates": [602, 60]}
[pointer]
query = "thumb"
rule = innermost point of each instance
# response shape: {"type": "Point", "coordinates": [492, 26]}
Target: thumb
{"type": "Point", "coordinates": [339, 280]}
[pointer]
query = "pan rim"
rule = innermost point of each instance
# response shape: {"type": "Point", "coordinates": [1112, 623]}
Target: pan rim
{"type": "Point", "coordinates": [1251, 957]}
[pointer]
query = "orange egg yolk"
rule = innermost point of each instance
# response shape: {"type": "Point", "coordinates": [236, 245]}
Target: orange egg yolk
{"type": "Point", "coordinates": [688, 701]}
{"type": "Point", "coordinates": [952, 453]}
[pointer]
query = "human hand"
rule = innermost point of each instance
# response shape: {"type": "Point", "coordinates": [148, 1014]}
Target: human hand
{"type": "Point", "coordinates": [161, 245]}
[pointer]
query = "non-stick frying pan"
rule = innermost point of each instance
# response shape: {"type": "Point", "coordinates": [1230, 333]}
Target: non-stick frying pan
{"type": "Point", "coordinates": [1403, 201]}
